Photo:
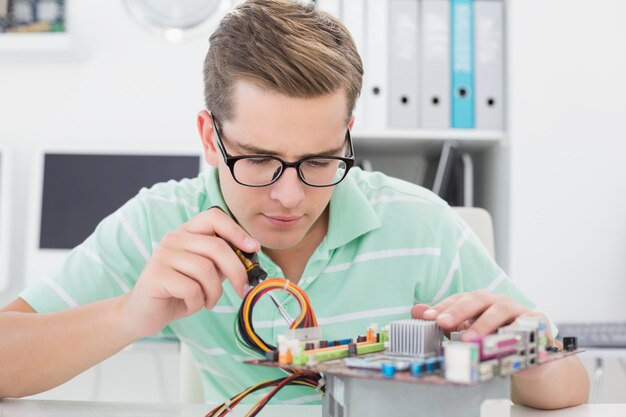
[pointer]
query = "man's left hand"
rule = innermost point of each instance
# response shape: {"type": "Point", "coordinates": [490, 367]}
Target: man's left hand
{"type": "Point", "coordinates": [479, 313]}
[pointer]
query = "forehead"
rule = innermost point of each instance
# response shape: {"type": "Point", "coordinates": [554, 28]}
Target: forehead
{"type": "Point", "coordinates": [287, 125]}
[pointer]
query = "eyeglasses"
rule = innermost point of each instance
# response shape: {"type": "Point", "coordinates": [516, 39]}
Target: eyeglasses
{"type": "Point", "coordinates": [263, 170]}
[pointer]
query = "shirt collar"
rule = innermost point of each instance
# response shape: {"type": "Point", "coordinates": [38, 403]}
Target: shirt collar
{"type": "Point", "coordinates": [214, 191]}
{"type": "Point", "coordinates": [351, 214]}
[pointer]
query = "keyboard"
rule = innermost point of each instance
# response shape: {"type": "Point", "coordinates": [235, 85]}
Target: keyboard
{"type": "Point", "coordinates": [595, 334]}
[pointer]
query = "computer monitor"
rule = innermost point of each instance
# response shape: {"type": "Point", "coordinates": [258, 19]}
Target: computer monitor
{"type": "Point", "coordinates": [5, 200]}
{"type": "Point", "coordinates": [75, 190]}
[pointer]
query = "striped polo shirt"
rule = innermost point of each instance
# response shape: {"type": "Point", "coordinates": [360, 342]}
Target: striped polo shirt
{"type": "Point", "coordinates": [390, 244]}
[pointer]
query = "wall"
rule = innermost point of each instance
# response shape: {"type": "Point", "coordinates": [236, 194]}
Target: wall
{"type": "Point", "coordinates": [567, 60]}
{"type": "Point", "coordinates": [117, 84]}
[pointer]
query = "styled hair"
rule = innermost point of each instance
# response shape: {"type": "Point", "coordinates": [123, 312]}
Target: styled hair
{"type": "Point", "coordinates": [285, 46]}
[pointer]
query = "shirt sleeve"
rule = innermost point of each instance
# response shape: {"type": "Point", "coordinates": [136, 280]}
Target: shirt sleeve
{"type": "Point", "coordinates": [107, 264]}
{"type": "Point", "coordinates": [465, 265]}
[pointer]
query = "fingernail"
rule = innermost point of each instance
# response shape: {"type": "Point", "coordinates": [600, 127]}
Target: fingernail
{"type": "Point", "coordinates": [469, 335]}
{"type": "Point", "coordinates": [430, 313]}
{"type": "Point", "coordinates": [245, 289]}
{"type": "Point", "coordinates": [445, 319]}
{"type": "Point", "coordinates": [250, 243]}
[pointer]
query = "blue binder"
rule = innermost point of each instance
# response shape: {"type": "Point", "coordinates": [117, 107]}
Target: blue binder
{"type": "Point", "coordinates": [462, 63]}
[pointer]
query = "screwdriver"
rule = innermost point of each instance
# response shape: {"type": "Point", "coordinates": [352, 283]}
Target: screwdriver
{"type": "Point", "coordinates": [257, 274]}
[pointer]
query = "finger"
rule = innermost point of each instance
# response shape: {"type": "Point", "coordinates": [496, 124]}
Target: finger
{"type": "Point", "coordinates": [201, 270]}
{"type": "Point", "coordinates": [216, 250]}
{"type": "Point", "coordinates": [432, 312]}
{"type": "Point", "coordinates": [467, 307]}
{"type": "Point", "coordinates": [189, 291]}
{"type": "Point", "coordinates": [417, 312]}
{"type": "Point", "coordinates": [215, 222]}
{"type": "Point", "coordinates": [497, 315]}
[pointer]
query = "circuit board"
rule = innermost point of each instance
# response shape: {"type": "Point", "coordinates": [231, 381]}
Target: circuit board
{"type": "Point", "coordinates": [339, 368]}
{"type": "Point", "coordinates": [416, 351]}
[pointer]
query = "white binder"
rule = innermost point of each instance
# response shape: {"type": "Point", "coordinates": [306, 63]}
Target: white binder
{"type": "Point", "coordinates": [403, 59]}
{"type": "Point", "coordinates": [435, 64]}
{"type": "Point", "coordinates": [353, 12]}
{"type": "Point", "coordinates": [489, 63]}
{"type": "Point", "coordinates": [375, 89]}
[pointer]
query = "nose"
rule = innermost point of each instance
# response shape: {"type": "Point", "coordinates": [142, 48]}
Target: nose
{"type": "Point", "coordinates": [289, 189]}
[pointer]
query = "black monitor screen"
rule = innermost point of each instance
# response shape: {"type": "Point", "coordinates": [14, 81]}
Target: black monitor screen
{"type": "Point", "coordinates": [80, 190]}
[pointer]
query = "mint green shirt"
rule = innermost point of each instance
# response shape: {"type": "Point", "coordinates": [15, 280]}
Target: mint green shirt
{"type": "Point", "coordinates": [390, 244]}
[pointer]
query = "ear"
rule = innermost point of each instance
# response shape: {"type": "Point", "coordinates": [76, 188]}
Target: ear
{"type": "Point", "coordinates": [351, 123]}
{"type": "Point", "coordinates": [206, 131]}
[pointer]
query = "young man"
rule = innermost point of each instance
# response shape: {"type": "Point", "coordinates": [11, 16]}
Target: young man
{"type": "Point", "coordinates": [281, 81]}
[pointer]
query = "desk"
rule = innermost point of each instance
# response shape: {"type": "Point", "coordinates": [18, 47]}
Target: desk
{"type": "Point", "coordinates": [597, 376]}
{"type": "Point", "coordinates": [46, 408]}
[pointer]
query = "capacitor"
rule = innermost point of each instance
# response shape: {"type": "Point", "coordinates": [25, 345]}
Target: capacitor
{"type": "Point", "coordinates": [388, 369]}
{"type": "Point", "coordinates": [570, 343]}
{"type": "Point", "coordinates": [417, 368]}
{"type": "Point", "coordinates": [352, 349]}
{"type": "Point", "coordinates": [430, 365]}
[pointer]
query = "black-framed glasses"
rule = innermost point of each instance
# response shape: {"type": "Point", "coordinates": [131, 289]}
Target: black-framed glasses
{"type": "Point", "coordinates": [263, 170]}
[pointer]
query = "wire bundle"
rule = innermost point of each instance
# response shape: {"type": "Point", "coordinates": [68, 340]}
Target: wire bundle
{"type": "Point", "coordinates": [244, 328]}
{"type": "Point", "coordinates": [246, 335]}
{"type": "Point", "coordinates": [308, 379]}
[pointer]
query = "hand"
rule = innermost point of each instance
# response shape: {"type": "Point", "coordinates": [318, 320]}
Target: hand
{"type": "Point", "coordinates": [478, 312]}
{"type": "Point", "coordinates": [186, 272]}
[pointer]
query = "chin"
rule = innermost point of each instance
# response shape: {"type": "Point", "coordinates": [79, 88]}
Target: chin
{"type": "Point", "coordinates": [278, 243]}
{"type": "Point", "coordinates": [279, 240]}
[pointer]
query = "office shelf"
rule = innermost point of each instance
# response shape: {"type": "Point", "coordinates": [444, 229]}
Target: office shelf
{"type": "Point", "coordinates": [467, 139]}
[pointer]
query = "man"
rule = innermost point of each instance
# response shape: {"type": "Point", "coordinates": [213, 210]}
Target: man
{"type": "Point", "coordinates": [281, 81]}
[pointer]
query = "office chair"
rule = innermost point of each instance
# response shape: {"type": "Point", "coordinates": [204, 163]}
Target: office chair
{"type": "Point", "coordinates": [478, 219]}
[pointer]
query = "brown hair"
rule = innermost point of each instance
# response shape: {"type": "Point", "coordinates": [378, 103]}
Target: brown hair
{"type": "Point", "coordinates": [289, 47]}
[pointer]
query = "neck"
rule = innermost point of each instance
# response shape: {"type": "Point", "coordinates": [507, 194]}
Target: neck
{"type": "Point", "coordinates": [292, 261]}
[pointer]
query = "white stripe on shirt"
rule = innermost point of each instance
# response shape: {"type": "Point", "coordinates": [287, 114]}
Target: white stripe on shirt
{"type": "Point", "coordinates": [494, 284]}
{"type": "Point", "coordinates": [389, 253]}
{"type": "Point", "coordinates": [454, 267]}
{"type": "Point", "coordinates": [173, 199]}
{"type": "Point", "coordinates": [446, 283]}
{"type": "Point", "coordinates": [224, 309]}
{"type": "Point", "coordinates": [216, 351]}
{"type": "Point", "coordinates": [96, 258]}
{"type": "Point", "coordinates": [206, 351]}
{"type": "Point", "coordinates": [399, 198]}
{"type": "Point", "coordinates": [265, 324]}
{"type": "Point", "coordinates": [59, 291]}
{"type": "Point", "coordinates": [133, 236]}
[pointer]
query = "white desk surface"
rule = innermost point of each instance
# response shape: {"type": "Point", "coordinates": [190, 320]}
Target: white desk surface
{"type": "Point", "coordinates": [604, 353]}
{"type": "Point", "coordinates": [46, 408]}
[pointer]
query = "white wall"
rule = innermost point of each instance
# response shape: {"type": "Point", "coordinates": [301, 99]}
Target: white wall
{"type": "Point", "coordinates": [117, 84]}
{"type": "Point", "coordinates": [568, 188]}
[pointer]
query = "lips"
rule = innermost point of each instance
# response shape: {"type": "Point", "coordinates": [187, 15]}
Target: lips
{"type": "Point", "coordinates": [283, 221]}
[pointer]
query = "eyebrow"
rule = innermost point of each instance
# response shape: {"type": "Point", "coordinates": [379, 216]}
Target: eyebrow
{"type": "Point", "coordinates": [255, 150]}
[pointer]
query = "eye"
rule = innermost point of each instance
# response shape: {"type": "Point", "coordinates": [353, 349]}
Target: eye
{"type": "Point", "coordinates": [259, 161]}
{"type": "Point", "coordinates": [318, 163]}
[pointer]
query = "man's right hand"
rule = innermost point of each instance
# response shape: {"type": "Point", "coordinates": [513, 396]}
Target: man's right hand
{"type": "Point", "coordinates": [186, 272]}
